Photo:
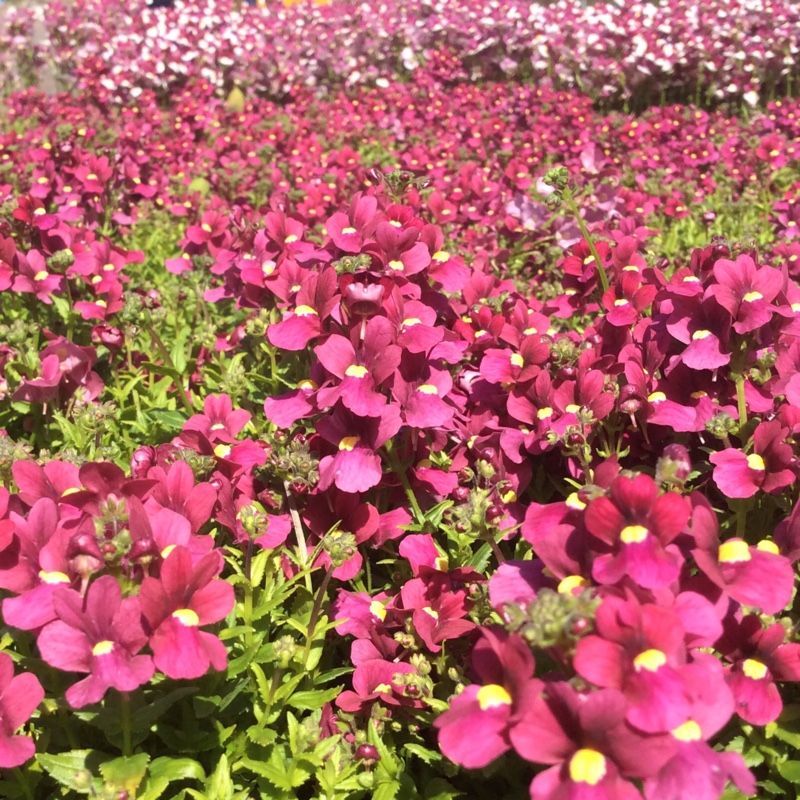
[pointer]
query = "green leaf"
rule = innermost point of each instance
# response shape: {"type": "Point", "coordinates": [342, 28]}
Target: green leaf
{"type": "Point", "coordinates": [388, 762]}
{"type": "Point", "coordinates": [169, 420]}
{"type": "Point", "coordinates": [176, 769]}
{"type": "Point", "coordinates": [387, 790]}
{"type": "Point", "coordinates": [790, 770]}
{"type": "Point", "coordinates": [200, 185]}
{"type": "Point", "coordinates": [275, 773]}
{"type": "Point", "coordinates": [125, 773]}
{"type": "Point", "coordinates": [313, 699]}
{"type": "Point", "coordinates": [440, 789]}
{"type": "Point", "coordinates": [162, 369]}
{"type": "Point", "coordinates": [428, 756]}
{"type": "Point", "coordinates": [481, 558]}
{"type": "Point", "coordinates": [219, 785]}
{"type": "Point", "coordinates": [74, 769]}
{"type": "Point", "coordinates": [143, 718]}
{"type": "Point", "coordinates": [258, 567]}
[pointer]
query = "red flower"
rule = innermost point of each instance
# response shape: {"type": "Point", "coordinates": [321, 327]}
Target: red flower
{"type": "Point", "coordinates": [766, 468]}
{"type": "Point", "coordinates": [100, 636]}
{"type": "Point", "coordinates": [640, 524]}
{"type": "Point", "coordinates": [176, 604]}
{"type": "Point", "coordinates": [19, 697]}
{"type": "Point", "coordinates": [474, 731]}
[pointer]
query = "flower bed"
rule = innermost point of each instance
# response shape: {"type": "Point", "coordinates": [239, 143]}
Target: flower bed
{"type": "Point", "coordinates": [641, 51]}
{"type": "Point", "coordinates": [402, 441]}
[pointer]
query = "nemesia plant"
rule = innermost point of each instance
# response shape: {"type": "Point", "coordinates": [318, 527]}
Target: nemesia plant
{"type": "Point", "coordinates": [430, 435]}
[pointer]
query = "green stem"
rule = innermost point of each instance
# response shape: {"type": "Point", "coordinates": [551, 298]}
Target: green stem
{"type": "Point", "coordinates": [171, 364]}
{"type": "Point", "coordinates": [247, 613]}
{"type": "Point", "coordinates": [573, 207]}
{"type": "Point", "coordinates": [741, 400]}
{"type": "Point", "coordinates": [126, 724]}
{"type": "Point", "coordinates": [315, 611]}
{"type": "Point", "coordinates": [22, 780]}
{"type": "Point", "coordinates": [297, 524]}
{"type": "Point", "coordinates": [400, 470]}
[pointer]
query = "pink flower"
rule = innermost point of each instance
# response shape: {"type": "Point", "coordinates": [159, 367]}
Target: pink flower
{"type": "Point", "coordinates": [101, 636]}
{"type": "Point", "coordinates": [474, 731]}
{"type": "Point", "coordinates": [176, 604]}
{"type": "Point", "coordinates": [766, 468]}
{"type": "Point", "coordinates": [19, 697]}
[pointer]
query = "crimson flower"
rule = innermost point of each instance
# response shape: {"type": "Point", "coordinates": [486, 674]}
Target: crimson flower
{"type": "Point", "coordinates": [356, 466]}
{"type": "Point", "coordinates": [639, 524]}
{"type": "Point", "coordinates": [504, 665]}
{"type": "Point", "coordinates": [101, 636]}
{"type": "Point", "coordinates": [591, 748]}
{"type": "Point", "coordinates": [184, 597]}
{"type": "Point", "coordinates": [766, 468]}
{"type": "Point", "coordinates": [19, 697]}
{"type": "Point", "coordinates": [746, 291]}
{"type": "Point", "coordinates": [760, 657]}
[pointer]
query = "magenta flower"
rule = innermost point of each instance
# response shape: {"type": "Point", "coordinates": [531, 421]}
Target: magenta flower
{"type": "Point", "coordinates": [176, 604]}
{"type": "Point", "coordinates": [766, 468]}
{"type": "Point", "coordinates": [19, 697]}
{"type": "Point", "coordinates": [753, 576]}
{"type": "Point", "coordinates": [359, 372]}
{"type": "Point", "coordinates": [746, 291]}
{"type": "Point", "coordinates": [375, 680]}
{"type": "Point", "coordinates": [219, 422]}
{"type": "Point", "coordinates": [101, 636]}
{"type": "Point", "coordinates": [760, 657]}
{"type": "Point", "coordinates": [640, 650]}
{"type": "Point", "coordinates": [591, 748]}
{"type": "Point", "coordinates": [695, 771]}
{"type": "Point", "coordinates": [504, 666]}
{"type": "Point", "coordinates": [639, 524]}
{"type": "Point", "coordinates": [356, 466]}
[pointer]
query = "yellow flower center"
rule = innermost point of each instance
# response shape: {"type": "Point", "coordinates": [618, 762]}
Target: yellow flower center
{"type": "Point", "coordinates": [650, 660]}
{"type": "Point", "coordinates": [751, 297]}
{"type": "Point", "coordinates": [222, 450]}
{"type": "Point", "coordinates": [574, 502]}
{"type": "Point", "coordinates": [53, 577]}
{"type": "Point", "coordinates": [688, 732]}
{"type": "Point", "coordinates": [754, 669]}
{"type": "Point", "coordinates": [587, 766]}
{"type": "Point", "coordinates": [754, 461]}
{"type": "Point", "coordinates": [348, 230]}
{"type": "Point", "coordinates": [493, 695]}
{"type": "Point", "coordinates": [377, 609]}
{"type": "Point", "coordinates": [571, 582]}
{"type": "Point", "coordinates": [349, 442]}
{"type": "Point", "coordinates": [356, 371]}
{"type": "Point", "coordinates": [517, 360]}
{"type": "Point", "coordinates": [631, 534]}
{"type": "Point", "coordinates": [544, 413]}
{"type": "Point", "coordinates": [700, 335]}
{"type": "Point", "coordinates": [427, 388]}
{"type": "Point", "coordinates": [186, 617]}
{"type": "Point", "coordinates": [40, 276]}
{"type": "Point", "coordinates": [103, 648]}
{"type": "Point", "coordinates": [305, 311]}
{"type": "Point", "coordinates": [733, 551]}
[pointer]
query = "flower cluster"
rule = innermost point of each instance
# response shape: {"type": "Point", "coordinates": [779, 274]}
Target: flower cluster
{"type": "Point", "coordinates": [100, 566]}
{"type": "Point", "coordinates": [448, 397]}
{"type": "Point", "coordinates": [630, 50]}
